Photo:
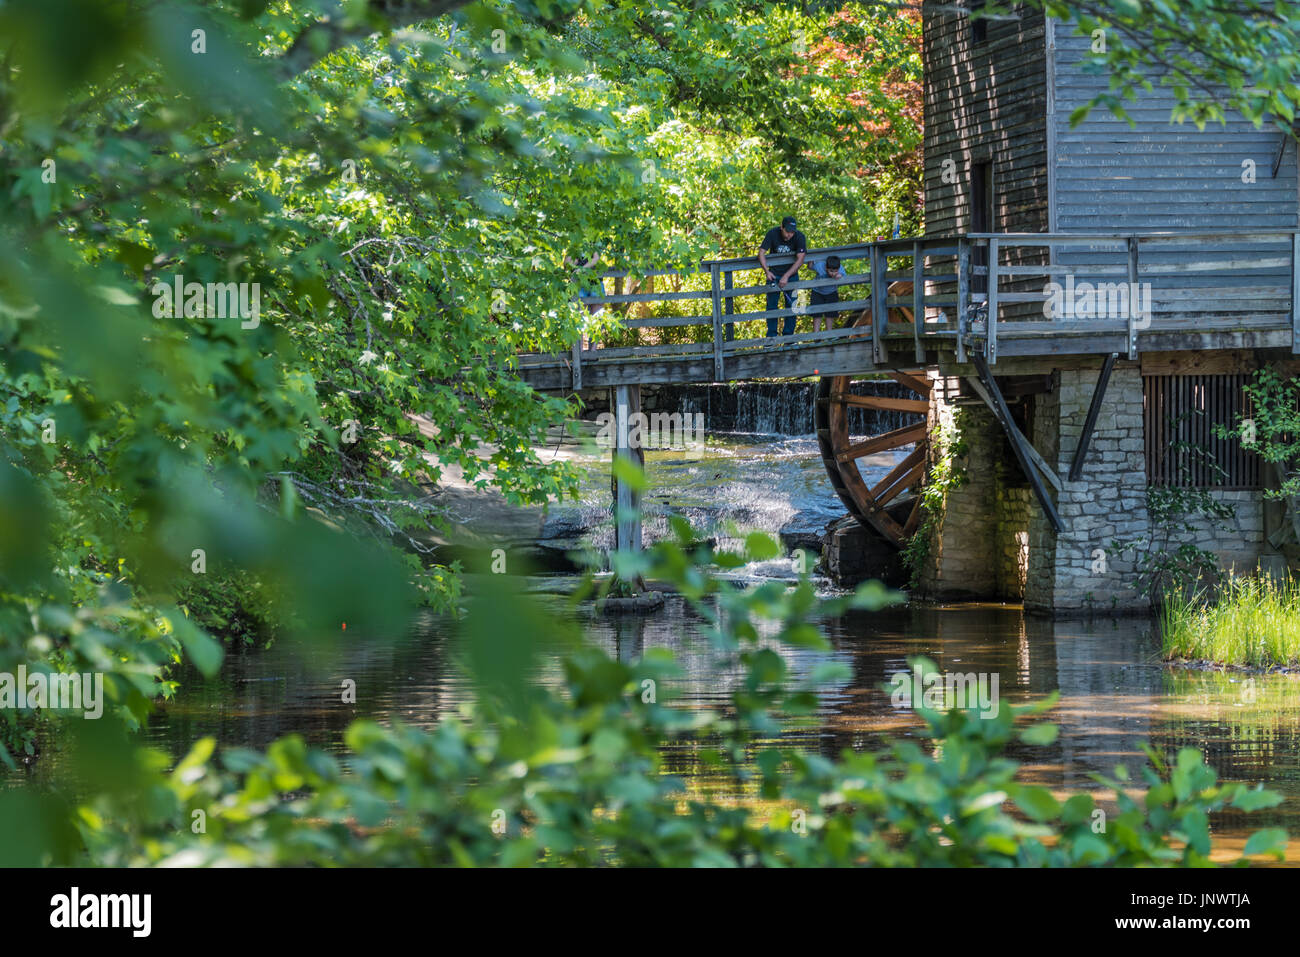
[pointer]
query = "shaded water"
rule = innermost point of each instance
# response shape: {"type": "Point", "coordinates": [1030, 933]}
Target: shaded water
{"type": "Point", "coordinates": [1115, 693]}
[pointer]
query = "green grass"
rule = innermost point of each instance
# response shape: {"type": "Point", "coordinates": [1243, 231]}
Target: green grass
{"type": "Point", "coordinates": [1249, 621]}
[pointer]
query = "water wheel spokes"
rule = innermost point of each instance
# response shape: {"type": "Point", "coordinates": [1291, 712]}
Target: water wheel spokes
{"type": "Point", "coordinates": [880, 505]}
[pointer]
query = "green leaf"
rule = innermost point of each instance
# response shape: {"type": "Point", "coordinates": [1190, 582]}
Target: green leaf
{"type": "Point", "coordinates": [1271, 841]}
{"type": "Point", "coordinates": [1040, 734]}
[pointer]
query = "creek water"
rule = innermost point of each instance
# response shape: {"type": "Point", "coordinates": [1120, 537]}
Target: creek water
{"type": "Point", "coordinates": [1115, 692]}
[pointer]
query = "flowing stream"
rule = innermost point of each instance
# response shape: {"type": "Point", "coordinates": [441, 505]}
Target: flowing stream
{"type": "Point", "coordinates": [764, 472]}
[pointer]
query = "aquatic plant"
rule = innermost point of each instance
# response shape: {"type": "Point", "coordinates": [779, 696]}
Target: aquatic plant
{"type": "Point", "coordinates": [1252, 621]}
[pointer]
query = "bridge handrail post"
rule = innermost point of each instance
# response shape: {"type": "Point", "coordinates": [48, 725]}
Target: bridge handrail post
{"type": "Point", "coordinates": [1295, 294]}
{"type": "Point", "coordinates": [729, 304]}
{"type": "Point", "coordinates": [963, 294]}
{"type": "Point", "coordinates": [577, 362]}
{"type": "Point", "coordinates": [717, 323]}
{"type": "Point", "coordinates": [877, 303]}
{"type": "Point", "coordinates": [991, 336]}
{"type": "Point", "coordinates": [1132, 287]}
{"type": "Point", "coordinates": [918, 300]}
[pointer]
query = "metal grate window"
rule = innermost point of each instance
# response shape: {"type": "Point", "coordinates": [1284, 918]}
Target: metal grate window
{"type": "Point", "coordinates": [1182, 449]}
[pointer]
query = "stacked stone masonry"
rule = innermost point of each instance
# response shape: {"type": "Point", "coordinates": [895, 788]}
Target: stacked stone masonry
{"type": "Point", "coordinates": [994, 540]}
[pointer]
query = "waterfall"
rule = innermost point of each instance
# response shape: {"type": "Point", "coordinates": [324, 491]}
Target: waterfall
{"type": "Point", "coordinates": [776, 408]}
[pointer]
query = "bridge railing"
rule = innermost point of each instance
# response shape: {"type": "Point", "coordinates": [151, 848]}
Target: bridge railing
{"type": "Point", "coordinates": [723, 284]}
{"type": "Point", "coordinates": [1114, 286]}
{"type": "Point", "coordinates": [969, 290]}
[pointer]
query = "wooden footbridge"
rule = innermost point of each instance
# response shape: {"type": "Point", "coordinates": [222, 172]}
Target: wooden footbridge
{"type": "Point", "coordinates": [978, 306]}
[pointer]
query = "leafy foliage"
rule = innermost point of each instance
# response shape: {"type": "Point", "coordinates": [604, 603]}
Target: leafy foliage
{"type": "Point", "coordinates": [1214, 56]}
{"type": "Point", "coordinates": [574, 776]}
{"type": "Point", "coordinates": [402, 182]}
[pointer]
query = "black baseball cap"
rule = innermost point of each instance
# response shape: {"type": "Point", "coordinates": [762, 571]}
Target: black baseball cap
{"type": "Point", "coordinates": [789, 223]}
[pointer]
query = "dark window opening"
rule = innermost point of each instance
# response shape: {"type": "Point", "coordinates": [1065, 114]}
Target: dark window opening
{"type": "Point", "coordinates": [979, 27]}
{"type": "Point", "coordinates": [981, 218]}
{"type": "Point", "coordinates": [1183, 449]}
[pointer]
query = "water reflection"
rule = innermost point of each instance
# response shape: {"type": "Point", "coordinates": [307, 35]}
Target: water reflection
{"type": "Point", "coordinates": [1115, 693]}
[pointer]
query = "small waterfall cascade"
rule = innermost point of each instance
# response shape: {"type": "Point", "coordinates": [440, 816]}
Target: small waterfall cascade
{"type": "Point", "coordinates": [777, 408]}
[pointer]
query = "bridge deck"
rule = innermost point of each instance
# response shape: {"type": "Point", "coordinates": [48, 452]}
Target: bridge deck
{"type": "Point", "coordinates": [983, 294]}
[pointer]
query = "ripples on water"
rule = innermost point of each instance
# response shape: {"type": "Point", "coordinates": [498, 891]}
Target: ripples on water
{"type": "Point", "coordinates": [1114, 693]}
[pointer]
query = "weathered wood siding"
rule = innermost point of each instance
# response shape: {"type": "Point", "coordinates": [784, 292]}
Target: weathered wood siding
{"type": "Point", "coordinates": [1160, 175]}
{"type": "Point", "coordinates": [985, 102]}
{"type": "Point", "coordinates": [1156, 174]}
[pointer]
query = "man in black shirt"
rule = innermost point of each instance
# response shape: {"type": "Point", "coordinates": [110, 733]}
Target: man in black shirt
{"type": "Point", "coordinates": [785, 238]}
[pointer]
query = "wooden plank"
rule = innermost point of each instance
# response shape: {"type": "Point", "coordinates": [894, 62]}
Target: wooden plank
{"type": "Point", "coordinates": [717, 324]}
{"type": "Point", "coordinates": [899, 477]}
{"type": "Point", "coordinates": [648, 297]}
{"type": "Point", "coordinates": [805, 311]}
{"type": "Point", "coordinates": [1090, 423]}
{"type": "Point", "coordinates": [991, 341]}
{"type": "Point", "coordinates": [889, 403]}
{"type": "Point", "coordinates": [913, 380]}
{"type": "Point", "coordinates": [879, 443]}
{"type": "Point", "coordinates": [666, 322]}
{"type": "Point", "coordinates": [913, 519]}
{"type": "Point", "coordinates": [590, 356]}
{"type": "Point", "coordinates": [576, 365]}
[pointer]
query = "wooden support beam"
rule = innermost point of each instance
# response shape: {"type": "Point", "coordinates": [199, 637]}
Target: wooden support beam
{"type": "Point", "coordinates": [717, 323]}
{"type": "Point", "coordinates": [1019, 445]}
{"type": "Point", "coordinates": [1040, 463]}
{"type": "Point", "coordinates": [991, 336]}
{"type": "Point", "coordinates": [576, 367]}
{"type": "Point", "coordinates": [626, 400]}
{"type": "Point", "coordinates": [1090, 423]}
{"type": "Point", "coordinates": [879, 443]}
{"type": "Point", "coordinates": [882, 402]}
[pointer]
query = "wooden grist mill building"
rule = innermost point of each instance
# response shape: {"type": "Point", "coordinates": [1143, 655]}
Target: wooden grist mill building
{"type": "Point", "coordinates": [1174, 255]}
{"type": "Point", "coordinates": [1084, 308]}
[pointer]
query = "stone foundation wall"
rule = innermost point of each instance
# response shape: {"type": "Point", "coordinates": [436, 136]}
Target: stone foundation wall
{"type": "Point", "coordinates": [974, 551]}
{"type": "Point", "coordinates": [994, 540]}
{"type": "Point", "coordinates": [1108, 503]}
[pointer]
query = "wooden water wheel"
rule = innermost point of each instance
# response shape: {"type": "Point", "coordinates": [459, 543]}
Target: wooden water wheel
{"type": "Point", "coordinates": [881, 505]}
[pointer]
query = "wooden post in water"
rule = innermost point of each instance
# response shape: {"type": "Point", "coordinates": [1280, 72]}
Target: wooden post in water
{"type": "Point", "coordinates": [626, 403]}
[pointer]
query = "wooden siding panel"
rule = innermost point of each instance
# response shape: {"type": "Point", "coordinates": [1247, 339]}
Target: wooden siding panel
{"type": "Point", "coordinates": [985, 102]}
{"type": "Point", "coordinates": [1158, 175]}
